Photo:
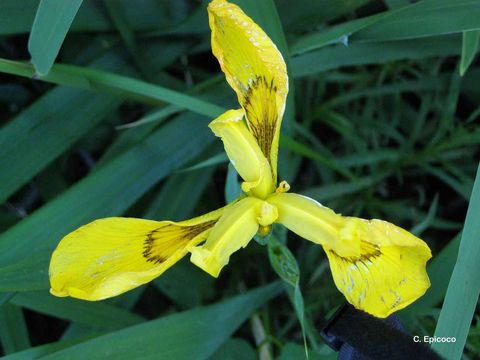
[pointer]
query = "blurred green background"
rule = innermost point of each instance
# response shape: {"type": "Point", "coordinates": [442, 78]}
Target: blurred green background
{"type": "Point", "coordinates": [382, 121]}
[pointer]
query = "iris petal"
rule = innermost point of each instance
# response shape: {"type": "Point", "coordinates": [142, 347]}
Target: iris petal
{"type": "Point", "coordinates": [256, 71]}
{"type": "Point", "coordinates": [233, 231]}
{"type": "Point", "coordinates": [110, 256]}
{"type": "Point", "coordinates": [244, 152]}
{"type": "Point", "coordinates": [390, 272]}
{"type": "Point", "coordinates": [379, 267]}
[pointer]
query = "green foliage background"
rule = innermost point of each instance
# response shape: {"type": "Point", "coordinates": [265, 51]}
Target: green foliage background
{"type": "Point", "coordinates": [381, 122]}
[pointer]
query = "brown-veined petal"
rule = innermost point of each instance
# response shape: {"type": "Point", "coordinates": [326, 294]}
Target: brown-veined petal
{"type": "Point", "coordinates": [110, 256]}
{"type": "Point", "coordinates": [255, 69]}
{"type": "Point", "coordinates": [379, 267]}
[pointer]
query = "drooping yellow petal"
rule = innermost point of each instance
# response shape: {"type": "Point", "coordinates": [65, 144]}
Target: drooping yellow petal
{"type": "Point", "coordinates": [110, 256]}
{"type": "Point", "coordinates": [233, 231]}
{"type": "Point", "coordinates": [244, 152]}
{"type": "Point", "coordinates": [379, 267]}
{"type": "Point", "coordinates": [390, 272]}
{"type": "Point", "coordinates": [255, 69]}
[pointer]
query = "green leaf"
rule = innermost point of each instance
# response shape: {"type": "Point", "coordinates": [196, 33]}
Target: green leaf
{"type": "Point", "coordinates": [219, 158]}
{"type": "Point", "coordinates": [154, 116]}
{"type": "Point", "coordinates": [283, 262]}
{"type": "Point", "coordinates": [422, 19]}
{"type": "Point", "coordinates": [186, 285]}
{"type": "Point", "coordinates": [294, 351]}
{"type": "Point", "coordinates": [339, 33]}
{"type": "Point", "coordinates": [200, 331]}
{"type": "Point", "coordinates": [336, 56]}
{"type": "Point", "coordinates": [4, 297]}
{"type": "Point", "coordinates": [235, 349]}
{"type": "Point", "coordinates": [17, 276]}
{"type": "Point", "coordinates": [13, 329]}
{"type": "Point", "coordinates": [97, 80]}
{"type": "Point", "coordinates": [96, 314]}
{"type": "Point", "coordinates": [65, 111]}
{"type": "Point", "coordinates": [340, 189]}
{"type": "Point", "coordinates": [301, 149]}
{"type": "Point", "coordinates": [51, 24]}
{"type": "Point", "coordinates": [301, 15]}
{"type": "Point", "coordinates": [470, 43]}
{"type": "Point", "coordinates": [464, 287]}
{"type": "Point", "coordinates": [108, 191]}
{"type": "Point", "coordinates": [285, 265]}
{"type": "Point", "coordinates": [39, 351]}
{"type": "Point", "coordinates": [16, 17]}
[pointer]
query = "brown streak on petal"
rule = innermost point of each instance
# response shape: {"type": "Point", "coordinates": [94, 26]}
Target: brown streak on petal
{"type": "Point", "coordinates": [261, 111]}
{"type": "Point", "coordinates": [162, 242]}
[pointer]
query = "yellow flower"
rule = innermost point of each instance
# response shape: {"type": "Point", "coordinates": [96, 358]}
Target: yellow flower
{"type": "Point", "coordinates": [379, 267]}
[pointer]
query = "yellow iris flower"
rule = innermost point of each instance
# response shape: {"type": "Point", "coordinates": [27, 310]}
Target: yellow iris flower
{"type": "Point", "coordinates": [379, 267]}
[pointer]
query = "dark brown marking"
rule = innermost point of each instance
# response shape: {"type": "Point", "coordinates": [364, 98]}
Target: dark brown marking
{"type": "Point", "coordinates": [260, 106]}
{"type": "Point", "coordinates": [370, 253]}
{"type": "Point", "coordinates": [158, 245]}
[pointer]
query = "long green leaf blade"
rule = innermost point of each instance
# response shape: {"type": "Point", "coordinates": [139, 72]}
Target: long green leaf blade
{"type": "Point", "coordinates": [470, 43]}
{"type": "Point", "coordinates": [196, 333]}
{"type": "Point", "coordinates": [464, 287]}
{"type": "Point", "coordinates": [96, 80]}
{"type": "Point", "coordinates": [67, 111]}
{"type": "Point", "coordinates": [51, 24]}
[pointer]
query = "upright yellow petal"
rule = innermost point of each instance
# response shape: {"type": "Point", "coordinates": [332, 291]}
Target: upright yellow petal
{"type": "Point", "coordinates": [244, 152]}
{"type": "Point", "coordinates": [110, 256]}
{"type": "Point", "coordinates": [255, 69]}
{"type": "Point", "coordinates": [233, 231]}
{"type": "Point", "coordinates": [390, 272]}
{"type": "Point", "coordinates": [379, 267]}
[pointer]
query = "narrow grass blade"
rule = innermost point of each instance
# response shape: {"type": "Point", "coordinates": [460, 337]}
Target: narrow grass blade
{"type": "Point", "coordinates": [51, 24]}
{"type": "Point", "coordinates": [16, 17]}
{"type": "Point", "coordinates": [334, 34]}
{"type": "Point", "coordinates": [13, 329]}
{"type": "Point", "coordinates": [470, 43]}
{"type": "Point", "coordinates": [235, 349]}
{"type": "Point", "coordinates": [422, 19]}
{"type": "Point", "coordinates": [96, 80]}
{"type": "Point", "coordinates": [96, 314]}
{"type": "Point", "coordinates": [464, 287]}
{"type": "Point", "coordinates": [69, 112]}
{"type": "Point", "coordinates": [301, 15]}
{"type": "Point", "coordinates": [301, 149]}
{"type": "Point", "coordinates": [38, 351]}
{"type": "Point", "coordinates": [200, 331]}
{"type": "Point", "coordinates": [286, 267]}
{"type": "Point", "coordinates": [336, 56]}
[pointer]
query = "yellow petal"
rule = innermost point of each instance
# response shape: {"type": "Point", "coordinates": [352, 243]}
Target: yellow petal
{"type": "Point", "coordinates": [255, 69]}
{"type": "Point", "coordinates": [233, 231]}
{"type": "Point", "coordinates": [244, 152]}
{"type": "Point", "coordinates": [379, 267]}
{"type": "Point", "coordinates": [390, 272]}
{"type": "Point", "coordinates": [110, 256]}
{"type": "Point", "coordinates": [312, 221]}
